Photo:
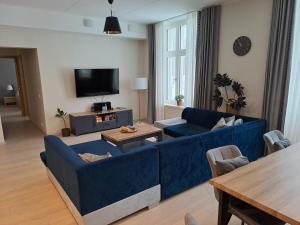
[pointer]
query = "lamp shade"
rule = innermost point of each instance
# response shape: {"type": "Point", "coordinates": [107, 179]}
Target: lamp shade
{"type": "Point", "coordinates": [140, 83]}
{"type": "Point", "coordinates": [9, 87]}
{"type": "Point", "coordinates": [112, 25]}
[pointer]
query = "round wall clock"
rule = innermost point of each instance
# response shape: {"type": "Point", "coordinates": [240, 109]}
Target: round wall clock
{"type": "Point", "coordinates": [242, 46]}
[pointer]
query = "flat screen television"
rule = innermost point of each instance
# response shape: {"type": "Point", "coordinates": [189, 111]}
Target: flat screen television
{"type": "Point", "coordinates": [95, 82]}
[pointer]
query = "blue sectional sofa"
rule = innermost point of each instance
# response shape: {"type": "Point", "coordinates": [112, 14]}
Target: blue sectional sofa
{"type": "Point", "coordinates": [157, 171]}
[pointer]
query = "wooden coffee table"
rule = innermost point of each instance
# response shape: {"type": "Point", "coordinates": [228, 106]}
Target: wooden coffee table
{"type": "Point", "coordinates": [143, 132]}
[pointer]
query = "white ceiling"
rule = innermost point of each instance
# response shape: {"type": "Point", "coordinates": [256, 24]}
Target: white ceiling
{"type": "Point", "coordinates": [139, 11]}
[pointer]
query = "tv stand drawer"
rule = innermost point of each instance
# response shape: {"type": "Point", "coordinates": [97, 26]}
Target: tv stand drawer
{"type": "Point", "coordinates": [106, 125]}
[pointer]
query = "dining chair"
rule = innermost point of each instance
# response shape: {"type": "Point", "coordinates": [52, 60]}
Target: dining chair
{"type": "Point", "coordinates": [275, 141]}
{"type": "Point", "coordinates": [246, 213]}
{"type": "Point", "coordinates": [189, 220]}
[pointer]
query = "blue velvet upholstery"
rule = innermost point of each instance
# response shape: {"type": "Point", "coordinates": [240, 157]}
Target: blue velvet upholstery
{"type": "Point", "coordinates": [96, 147]}
{"type": "Point", "coordinates": [177, 164]}
{"type": "Point", "coordinates": [43, 158]}
{"type": "Point", "coordinates": [206, 118]}
{"type": "Point", "coordinates": [183, 162]}
{"type": "Point", "coordinates": [99, 184]}
{"type": "Point", "coordinates": [184, 130]}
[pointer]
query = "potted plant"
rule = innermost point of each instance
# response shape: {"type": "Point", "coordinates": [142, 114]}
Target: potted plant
{"type": "Point", "coordinates": [65, 132]}
{"type": "Point", "coordinates": [235, 103]}
{"type": "Point", "coordinates": [179, 100]}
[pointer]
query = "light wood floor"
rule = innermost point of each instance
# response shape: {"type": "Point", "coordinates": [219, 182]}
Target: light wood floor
{"type": "Point", "coordinates": [27, 197]}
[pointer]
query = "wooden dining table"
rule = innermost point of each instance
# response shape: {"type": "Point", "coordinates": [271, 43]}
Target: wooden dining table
{"type": "Point", "coordinates": [271, 184]}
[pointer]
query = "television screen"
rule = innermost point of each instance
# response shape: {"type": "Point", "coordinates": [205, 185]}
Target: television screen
{"type": "Point", "coordinates": [95, 82]}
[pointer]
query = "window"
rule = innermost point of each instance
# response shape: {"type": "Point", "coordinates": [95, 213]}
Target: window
{"type": "Point", "coordinates": [175, 44]}
{"type": "Point", "coordinates": [175, 60]}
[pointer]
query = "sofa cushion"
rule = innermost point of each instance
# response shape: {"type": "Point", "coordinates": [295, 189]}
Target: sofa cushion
{"type": "Point", "coordinates": [238, 122]}
{"type": "Point", "coordinates": [90, 158]}
{"type": "Point", "coordinates": [228, 165]}
{"type": "Point", "coordinates": [98, 147]}
{"type": "Point", "coordinates": [184, 130]}
{"type": "Point", "coordinates": [220, 124]}
{"type": "Point", "coordinates": [281, 144]}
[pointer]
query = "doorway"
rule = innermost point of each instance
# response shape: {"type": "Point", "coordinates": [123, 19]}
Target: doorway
{"type": "Point", "coordinates": [12, 85]}
{"type": "Point", "coordinates": [21, 100]}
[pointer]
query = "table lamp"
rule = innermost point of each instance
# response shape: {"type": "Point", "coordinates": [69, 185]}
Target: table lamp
{"type": "Point", "coordinates": [10, 89]}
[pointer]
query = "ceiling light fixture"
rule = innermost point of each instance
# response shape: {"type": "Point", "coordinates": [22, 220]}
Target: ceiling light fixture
{"type": "Point", "coordinates": [112, 25]}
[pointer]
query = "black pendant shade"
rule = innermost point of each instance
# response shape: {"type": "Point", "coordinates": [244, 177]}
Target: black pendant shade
{"type": "Point", "coordinates": [112, 25]}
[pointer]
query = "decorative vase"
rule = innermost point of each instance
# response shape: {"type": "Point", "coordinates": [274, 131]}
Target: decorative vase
{"type": "Point", "coordinates": [66, 132]}
{"type": "Point", "coordinates": [179, 102]}
{"type": "Point", "coordinates": [231, 110]}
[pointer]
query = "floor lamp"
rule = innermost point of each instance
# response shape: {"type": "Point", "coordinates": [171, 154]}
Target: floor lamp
{"type": "Point", "coordinates": [140, 84]}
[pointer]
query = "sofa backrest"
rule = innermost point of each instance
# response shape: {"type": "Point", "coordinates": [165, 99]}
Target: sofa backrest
{"type": "Point", "coordinates": [208, 118]}
{"type": "Point", "coordinates": [118, 178]}
{"type": "Point", "coordinates": [63, 163]}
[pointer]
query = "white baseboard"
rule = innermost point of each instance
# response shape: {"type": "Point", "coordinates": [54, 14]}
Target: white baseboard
{"type": "Point", "coordinates": [113, 212]}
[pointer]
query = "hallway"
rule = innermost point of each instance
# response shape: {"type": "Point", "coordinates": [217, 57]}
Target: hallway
{"type": "Point", "coordinates": [26, 194]}
{"type": "Point", "coordinates": [17, 127]}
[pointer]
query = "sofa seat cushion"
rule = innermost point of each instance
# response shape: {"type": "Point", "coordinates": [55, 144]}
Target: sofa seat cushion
{"type": "Point", "coordinates": [99, 147]}
{"type": "Point", "coordinates": [184, 130]}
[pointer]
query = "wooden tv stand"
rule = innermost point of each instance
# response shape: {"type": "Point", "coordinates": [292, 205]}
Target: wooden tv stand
{"type": "Point", "coordinates": [89, 122]}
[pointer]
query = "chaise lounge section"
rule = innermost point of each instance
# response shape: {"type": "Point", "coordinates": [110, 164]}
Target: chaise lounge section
{"type": "Point", "coordinates": [107, 190]}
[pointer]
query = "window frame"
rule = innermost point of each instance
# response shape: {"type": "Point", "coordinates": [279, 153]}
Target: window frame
{"type": "Point", "coordinates": [177, 53]}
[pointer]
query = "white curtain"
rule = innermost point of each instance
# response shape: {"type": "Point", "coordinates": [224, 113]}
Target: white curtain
{"type": "Point", "coordinates": [292, 120]}
{"type": "Point", "coordinates": [191, 58]}
{"type": "Point", "coordinates": [160, 93]}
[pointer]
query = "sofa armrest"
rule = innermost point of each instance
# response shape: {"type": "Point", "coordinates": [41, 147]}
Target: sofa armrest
{"type": "Point", "coordinates": [169, 122]}
{"type": "Point", "coordinates": [109, 181]}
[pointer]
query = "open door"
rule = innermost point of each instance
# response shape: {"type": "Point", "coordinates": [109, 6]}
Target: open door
{"type": "Point", "coordinates": [21, 86]}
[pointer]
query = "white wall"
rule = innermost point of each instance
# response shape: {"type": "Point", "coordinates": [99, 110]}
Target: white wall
{"type": "Point", "coordinates": [253, 19]}
{"type": "Point", "coordinates": [60, 52]}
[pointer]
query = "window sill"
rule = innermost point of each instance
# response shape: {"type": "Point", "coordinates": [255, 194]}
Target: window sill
{"type": "Point", "coordinates": [174, 106]}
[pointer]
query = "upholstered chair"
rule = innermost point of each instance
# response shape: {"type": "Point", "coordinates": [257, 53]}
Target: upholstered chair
{"type": "Point", "coordinates": [275, 141]}
{"type": "Point", "coordinates": [219, 154]}
{"type": "Point", "coordinates": [246, 213]}
{"type": "Point", "coordinates": [189, 220]}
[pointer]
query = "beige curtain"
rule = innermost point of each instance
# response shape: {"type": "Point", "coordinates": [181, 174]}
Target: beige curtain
{"type": "Point", "coordinates": [151, 116]}
{"type": "Point", "coordinates": [207, 53]}
{"type": "Point", "coordinates": [278, 64]}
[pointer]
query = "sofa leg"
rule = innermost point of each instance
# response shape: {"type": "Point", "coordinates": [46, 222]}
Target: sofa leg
{"type": "Point", "coordinates": [153, 205]}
